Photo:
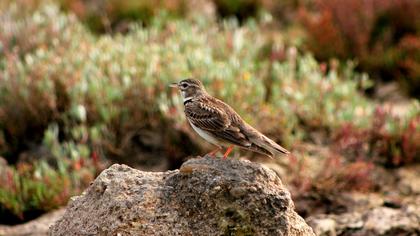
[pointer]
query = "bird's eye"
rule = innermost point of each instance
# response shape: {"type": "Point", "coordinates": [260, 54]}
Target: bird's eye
{"type": "Point", "coordinates": [184, 85]}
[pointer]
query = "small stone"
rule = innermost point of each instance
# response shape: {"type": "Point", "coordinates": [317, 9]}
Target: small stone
{"type": "Point", "coordinates": [324, 226]}
{"type": "Point", "coordinates": [252, 189]}
{"type": "Point", "coordinates": [238, 192]}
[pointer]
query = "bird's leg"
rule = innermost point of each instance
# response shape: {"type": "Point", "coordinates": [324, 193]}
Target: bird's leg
{"type": "Point", "coordinates": [227, 152]}
{"type": "Point", "coordinates": [212, 153]}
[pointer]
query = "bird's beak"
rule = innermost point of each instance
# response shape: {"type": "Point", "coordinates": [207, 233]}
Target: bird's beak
{"type": "Point", "coordinates": [173, 85]}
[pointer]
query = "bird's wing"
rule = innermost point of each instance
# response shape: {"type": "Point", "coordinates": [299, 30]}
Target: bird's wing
{"type": "Point", "coordinates": [207, 115]}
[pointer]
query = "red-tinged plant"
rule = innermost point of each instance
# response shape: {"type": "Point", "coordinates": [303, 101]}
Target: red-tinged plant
{"type": "Point", "coordinates": [388, 140]}
{"type": "Point", "coordinates": [337, 175]}
{"type": "Point", "coordinates": [301, 181]}
{"type": "Point", "coordinates": [409, 64]}
{"type": "Point", "coordinates": [38, 187]}
{"type": "Point", "coordinates": [411, 140]}
{"type": "Point", "coordinates": [351, 141]}
{"type": "Point", "coordinates": [372, 32]}
{"type": "Point", "coordinates": [357, 176]}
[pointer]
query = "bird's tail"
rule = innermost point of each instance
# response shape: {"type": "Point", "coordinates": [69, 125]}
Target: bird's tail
{"type": "Point", "coordinates": [261, 143]}
{"type": "Point", "coordinates": [271, 146]}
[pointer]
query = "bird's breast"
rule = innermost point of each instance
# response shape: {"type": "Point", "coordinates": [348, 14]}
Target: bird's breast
{"type": "Point", "coordinates": [205, 135]}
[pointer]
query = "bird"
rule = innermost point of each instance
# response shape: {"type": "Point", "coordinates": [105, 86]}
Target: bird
{"type": "Point", "coordinates": [219, 124]}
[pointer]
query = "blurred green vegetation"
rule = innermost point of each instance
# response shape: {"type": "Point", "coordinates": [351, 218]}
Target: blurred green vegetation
{"type": "Point", "coordinates": [71, 99]}
{"type": "Point", "coordinates": [382, 36]}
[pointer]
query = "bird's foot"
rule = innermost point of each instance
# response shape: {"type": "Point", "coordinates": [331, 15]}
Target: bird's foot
{"type": "Point", "coordinates": [213, 153]}
{"type": "Point", "coordinates": [227, 152]}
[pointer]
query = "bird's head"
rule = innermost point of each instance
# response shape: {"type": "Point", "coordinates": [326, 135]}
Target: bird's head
{"type": "Point", "coordinates": [189, 88]}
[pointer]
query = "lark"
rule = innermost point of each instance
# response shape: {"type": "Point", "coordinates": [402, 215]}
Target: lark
{"type": "Point", "coordinates": [219, 124]}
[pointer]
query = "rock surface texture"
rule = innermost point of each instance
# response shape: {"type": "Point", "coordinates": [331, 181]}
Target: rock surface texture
{"type": "Point", "coordinates": [36, 227]}
{"type": "Point", "coordinates": [378, 221]}
{"type": "Point", "coordinates": [205, 197]}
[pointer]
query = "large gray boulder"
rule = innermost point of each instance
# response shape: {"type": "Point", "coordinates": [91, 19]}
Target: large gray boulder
{"type": "Point", "coordinates": [204, 197]}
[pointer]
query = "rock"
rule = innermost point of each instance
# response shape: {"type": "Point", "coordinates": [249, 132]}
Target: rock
{"type": "Point", "coordinates": [388, 221]}
{"type": "Point", "coordinates": [204, 197]}
{"type": "Point", "coordinates": [36, 227]}
{"type": "Point", "coordinates": [376, 221]}
{"type": "Point", "coordinates": [409, 179]}
{"type": "Point", "coordinates": [325, 226]}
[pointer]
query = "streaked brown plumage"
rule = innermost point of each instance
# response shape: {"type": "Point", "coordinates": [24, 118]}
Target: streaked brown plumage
{"type": "Point", "coordinates": [219, 124]}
